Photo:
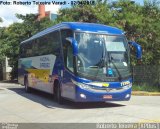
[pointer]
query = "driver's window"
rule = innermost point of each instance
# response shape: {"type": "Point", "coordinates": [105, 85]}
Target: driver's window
{"type": "Point", "coordinates": [68, 56]}
{"type": "Point", "coordinates": [67, 49]}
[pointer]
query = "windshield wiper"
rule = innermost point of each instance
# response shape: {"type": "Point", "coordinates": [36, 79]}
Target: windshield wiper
{"type": "Point", "coordinates": [101, 63]}
{"type": "Point", "coordinates": [119, 74]}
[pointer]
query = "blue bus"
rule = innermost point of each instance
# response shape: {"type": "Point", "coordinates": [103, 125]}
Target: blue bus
{"type": "Point", "coordinates": [82, 62]}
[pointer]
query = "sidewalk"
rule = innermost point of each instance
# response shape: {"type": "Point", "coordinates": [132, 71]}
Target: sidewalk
{"type": "Point", "coordinates": [145, 93]}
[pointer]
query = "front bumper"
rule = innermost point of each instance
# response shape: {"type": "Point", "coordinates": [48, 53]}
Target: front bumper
{"type": "Point", "coordinates": [83, 95]}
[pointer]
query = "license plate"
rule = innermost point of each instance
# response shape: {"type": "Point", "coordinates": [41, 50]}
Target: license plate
{"type": "Point", "coordinates": [107, 97]}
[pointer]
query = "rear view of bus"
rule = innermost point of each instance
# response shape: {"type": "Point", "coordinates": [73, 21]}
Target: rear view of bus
{"type": "Point", "coordinates": [95, 64]}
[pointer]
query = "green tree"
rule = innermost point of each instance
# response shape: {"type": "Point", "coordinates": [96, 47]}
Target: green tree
{"type": "Point", "coordinates": [18, 32]}
{"type": "Point", "coordinates": [85, 13]}
{"type": "Point", "coordinates": [1, 19]}
{"type": "Point", "coordinates": [2, 48]}
{"type": "Point", "coordinates": [151, 29]}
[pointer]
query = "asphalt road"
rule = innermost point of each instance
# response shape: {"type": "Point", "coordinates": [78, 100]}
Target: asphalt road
{"type": "Point", "coordinates": [18, 106]}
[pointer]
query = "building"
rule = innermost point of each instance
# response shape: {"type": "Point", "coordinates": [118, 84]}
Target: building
{"type": "Point", "coordinates": [6, 69]}
{"type": "Point", "coordinates": [42, 13]}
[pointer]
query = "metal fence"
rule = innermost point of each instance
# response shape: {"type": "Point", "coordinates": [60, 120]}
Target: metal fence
{"type": "Point", "coordinates": [146, 74]}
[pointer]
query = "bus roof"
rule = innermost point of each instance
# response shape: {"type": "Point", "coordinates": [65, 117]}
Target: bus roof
{"type": "Point", "coordinates": [79, 26]}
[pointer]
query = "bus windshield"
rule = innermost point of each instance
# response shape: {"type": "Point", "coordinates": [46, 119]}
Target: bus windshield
{"type": "Point", "coordinates": [98, 52]}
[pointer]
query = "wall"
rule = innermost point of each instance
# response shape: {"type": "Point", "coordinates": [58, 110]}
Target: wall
{"type": "Point", "coordinates": [6, 69]}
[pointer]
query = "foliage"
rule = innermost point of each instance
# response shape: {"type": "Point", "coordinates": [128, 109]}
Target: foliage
{"type": "Point", "coordinates": [1, 19]}
{"type": "Point", "coordinates": [145, 87]}
{"type": "Point", "coordinates": [141, 24]}
{"type": "Point", "coordinates": [12, 36]}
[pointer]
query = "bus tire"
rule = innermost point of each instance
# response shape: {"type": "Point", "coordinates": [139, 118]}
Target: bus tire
{"type": "Point", "coordinates": [57, 93]}
{"type": "Point", "coordinates": [27, 88]}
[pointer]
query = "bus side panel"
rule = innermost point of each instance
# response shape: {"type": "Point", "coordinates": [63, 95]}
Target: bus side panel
{"type": "Point", "coordinates": [68, 88]}
{"type": "Point", "coordinates": [39, 72]}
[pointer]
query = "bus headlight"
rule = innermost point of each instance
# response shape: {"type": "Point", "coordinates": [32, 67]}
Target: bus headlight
{"type": "Point", "coordinates": [81, 85]}
{"type": "Point", "coordinates": [127, 86]}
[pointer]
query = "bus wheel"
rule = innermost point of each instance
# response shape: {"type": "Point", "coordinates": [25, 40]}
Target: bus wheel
{"type": "Point", "coordinates": [57, 94]}
{"type": "Point", "coordinates": [27, 89]}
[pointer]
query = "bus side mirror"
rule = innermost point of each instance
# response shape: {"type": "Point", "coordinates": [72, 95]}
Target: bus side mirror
{"type": "Point", "coordinates": [138, 49]}
{"type": "Point", "coordinates": [74, 45]}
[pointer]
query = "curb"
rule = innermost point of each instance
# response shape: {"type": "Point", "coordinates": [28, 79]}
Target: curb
{"type": "Point", "coordinates": [144, 93]}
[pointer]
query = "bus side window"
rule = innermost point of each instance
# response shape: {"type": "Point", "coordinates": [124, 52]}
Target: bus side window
{"type": "Point", "coordinates": [50, 43]}
{"type": "Point", "coordinates": [35, 48]}
{"type": "Point", "coordinates": [42, 46]}
{"type": "Point", "coordinates": [21, 51]}
{"type": "Point", "coordinates": [28, 49]}
{"type": "Point", "coordinates": [54, 43]}
{"type": "Point", "coordinates": [66, 33]}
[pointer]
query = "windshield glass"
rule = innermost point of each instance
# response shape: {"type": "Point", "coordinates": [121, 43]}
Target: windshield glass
{"type": "Point", "coordinates": [97, 53]}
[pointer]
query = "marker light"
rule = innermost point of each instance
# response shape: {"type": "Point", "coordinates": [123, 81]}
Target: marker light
{"type": "Point", "coordinates": [127, 96]}
{"type": "Point", "coordinates": [83, 96]}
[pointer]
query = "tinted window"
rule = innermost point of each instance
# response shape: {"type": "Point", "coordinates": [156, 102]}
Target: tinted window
{"type": "Point", "coordinates": [66, 33]}
{"type": "Point", "coordinates": [42, 45]}
{"type": "Point", "coordinates": [21, 51]}
{"type": "Point", "coordinates": [47, 44]}
{"type": "Point", "coordinates": [35, 48]}
{"type": "Point", "coordinates": [54, 43]}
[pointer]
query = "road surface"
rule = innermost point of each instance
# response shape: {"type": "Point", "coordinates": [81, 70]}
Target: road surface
{"type": "Point", "coordinates": [18, 106]}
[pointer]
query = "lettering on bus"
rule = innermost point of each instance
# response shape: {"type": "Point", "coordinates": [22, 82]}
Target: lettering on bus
{"type": "Point", "coordinates": [125, 83]}
{"type": "Point", "coordinates": [44, 62]}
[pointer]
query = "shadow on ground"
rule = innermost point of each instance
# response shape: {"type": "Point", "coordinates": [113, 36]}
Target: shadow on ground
{"type": "Point", "coordinates": [47, 100]}
{"type": "Point", "coordinates": [9, 81]}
